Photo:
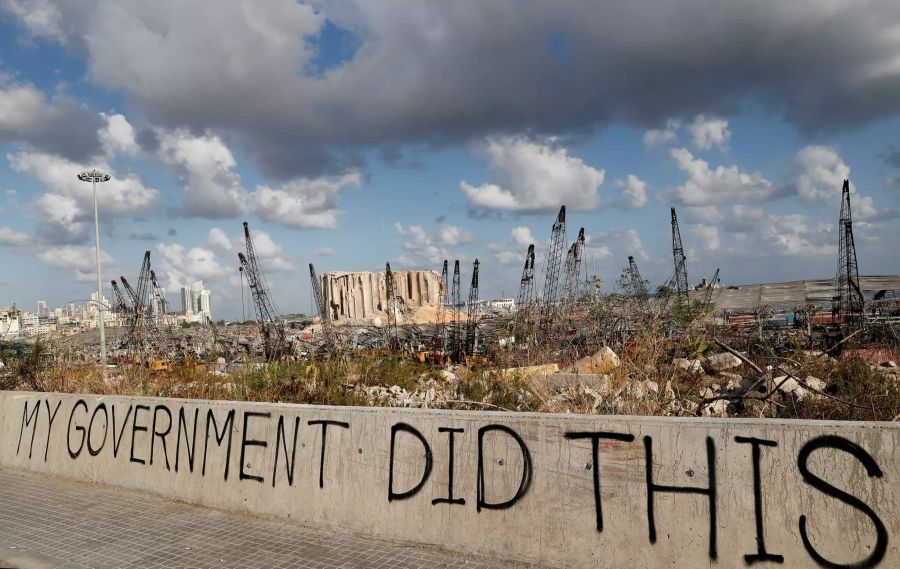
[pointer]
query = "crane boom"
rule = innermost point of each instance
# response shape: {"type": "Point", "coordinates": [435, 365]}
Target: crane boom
{"type": "Point", "coordinates": [471, 321]}
{"type": "Point", "coordinates": [268, 317]}
{"type": "Point", "coordinates": [324, 315]}
{"type": "Point", "coordinates": [680, 278]}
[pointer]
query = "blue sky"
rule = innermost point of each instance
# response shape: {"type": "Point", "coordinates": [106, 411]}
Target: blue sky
{"type": "Point", "coordinates": [350, 134]}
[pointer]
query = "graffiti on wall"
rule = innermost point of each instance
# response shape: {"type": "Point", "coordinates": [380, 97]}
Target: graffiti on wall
{"type": "Point", "coordinates": [205, 441]}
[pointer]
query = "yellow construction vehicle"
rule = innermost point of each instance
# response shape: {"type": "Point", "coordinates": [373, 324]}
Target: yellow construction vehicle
{"type": "Point", "coordinates": [155, 365]}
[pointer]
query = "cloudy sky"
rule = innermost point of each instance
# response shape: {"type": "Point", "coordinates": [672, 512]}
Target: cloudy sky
{"type": "Point", "coordinates": [353, 133]}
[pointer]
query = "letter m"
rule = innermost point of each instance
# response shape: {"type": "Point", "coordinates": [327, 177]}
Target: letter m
{"type": "Point", "coordinates": [26, 421]}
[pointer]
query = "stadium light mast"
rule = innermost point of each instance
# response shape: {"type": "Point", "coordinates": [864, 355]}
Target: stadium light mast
{"type": "Point", "coordinates": [93, 176]}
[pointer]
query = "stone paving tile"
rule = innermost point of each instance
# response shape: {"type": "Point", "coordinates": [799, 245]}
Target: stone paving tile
{"type": "Point", "coordinates": [49, 523]}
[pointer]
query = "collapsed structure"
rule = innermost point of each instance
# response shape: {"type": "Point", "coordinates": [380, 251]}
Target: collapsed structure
{"type": "Point", "coordinates": [364, 295]}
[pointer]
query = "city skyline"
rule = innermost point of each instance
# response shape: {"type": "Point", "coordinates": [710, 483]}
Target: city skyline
{"type": "Point", "coordinates": [347, 150]}
{"type": "Point", "coordinates": [18, 321]}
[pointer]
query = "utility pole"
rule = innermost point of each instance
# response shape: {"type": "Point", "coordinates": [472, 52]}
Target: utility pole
{"type": "Point", "coordinates": [94, 176]}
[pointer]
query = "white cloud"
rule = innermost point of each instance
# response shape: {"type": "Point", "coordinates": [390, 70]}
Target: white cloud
{"type": "Point", "coordinates": [418, 245]}
{"type": "Point", "coordinates": [534, 177]}
{"type": "Point", "coordinates": [724, 184]}
{"type": "Point", "coordinates": [660, 137]}
{"type": "Point", "coordinates": [269, 251]}
{"type": "Point", "coordinates": [11, 238]}
{"type": "Point", "coordinates": [122, 195]}
{"type": "Point", "coordinates": [636, 246]}
{"type": "Point", "coordinates": [63, 210]}
{"type": "Point", "coordinates": [707, 132]}
{"type": "Point", "coordinates": [820, 172]}
{"type": "Point", "coordinates": [452, 235]}
{"type": "Point", "coordinates": [745, 219]}
{"type": "Point", "coordinates": [634, 191]}
{"type": "Point", "coordinates": [181, 266]}
{"type": "Point", "coordinates": [512, 252]}
{"type": "Point", "coordinates": [212, 187]}
{"type": "Point", "coordinates": [522, 236]}
{"type": "Point", "coordinates": [58, 125]}
{"type": "Point", "coordinates": [324, 252]}
{"type": "Point", "coordinates": [20, 107]}
{"type": "Point", "coordinates": [118, 136]}
{"type": "Point", "coordinates": [61, 219]}
{"type": "Point", "coordinates": [304, 202]}
{"type": "Point", "coordinates": [265, 247]}
{"type": "Point", "coordinates": [819, 176]}
{"type": "Point", "coordinates": [78, 259]}
{"type": "Point", "coordinates": [218, 238]}
{"type": "Point", "coordinates": [509, 257]}
{"type": "Point", "coordinates": [40, 17]}
{"type": "Point", "coordinates": [709, 214]}
{"type": "Point", "coordinates": [707, 236]}
{"type": "Point", "coordinates": [403, 261]}
{"type": "Point", "coordinates": [595, 246]}
{"type": "Point", "coordinates": [793, 235]}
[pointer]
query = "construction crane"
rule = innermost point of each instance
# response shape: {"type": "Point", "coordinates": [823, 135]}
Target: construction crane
{"type": "Point", "coordinates": [157, 333]}
{"type": "Point", "coordinates": [570, 270]}
{"type": "Point", "coordinates": [122, 305]}
{"type": "Point", "coordinates": [554, 259]}
{"type": "Point", "coordinates": [635, 281]}
{"type": "Point", "coordinates": [849, 301]}
{"type": "Point", "coordinates": [524, 299]}
{"type": "Point", "coordinates": [135, 337]}
{"type": "Point", "coordinates": [679, 282]}
{"type": "Point", "coordinates": [269, 319]}
{"type": "Point", "coordinates": [132, 315]}
{"type": "Point", "coordinates": [391, 308]}
{"type": "Point", "coordinates": [441, 340]}
{"type": "Point", "coordinates": [455, 301]}
{"type": "Point", "coordinates": [158, 305]}
{"type": "Point", "coordinates": [324, 315]}
{"type": "Point", "coordinates": [573, 267]}
{"type": "Point", "coordinates": [472, 318]}
{"type": "Point", "coordinates": [132, 296]}
{"type": "Point", "coordinates": [159, 297]}
{"type": "Point", "coordinates": [710, 287]}
{"type": "Point", "coordinates": [526, 284]}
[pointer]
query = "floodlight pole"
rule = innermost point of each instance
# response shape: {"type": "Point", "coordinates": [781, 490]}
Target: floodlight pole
{"type": "Point", "coordinates": [94, 176]}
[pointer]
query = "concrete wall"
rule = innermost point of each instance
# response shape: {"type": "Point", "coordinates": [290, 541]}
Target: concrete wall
{"type": "Point", "coordinates": [659, 492]}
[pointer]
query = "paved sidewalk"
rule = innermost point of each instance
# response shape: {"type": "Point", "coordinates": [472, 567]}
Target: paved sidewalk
{"type": "Point", "coordinates": [51, 523]}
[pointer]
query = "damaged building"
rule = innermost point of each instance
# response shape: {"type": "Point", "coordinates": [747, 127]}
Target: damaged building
{"type": "Point", "coordinates": [363, 295]}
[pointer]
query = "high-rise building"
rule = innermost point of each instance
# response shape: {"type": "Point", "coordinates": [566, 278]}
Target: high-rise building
{"type": "Point", "coordinates": [204, 304]}
{"type": "Point", "coordinates": [186, 307]}
{"type": "Point", "coordinates": [195, 303]}
{"type": "Point", "coordinates": [157, 301]}
{"type": "Point", "coordinates": [97, 302]}
{"type": "Point", "coordinates": [42, 309]}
